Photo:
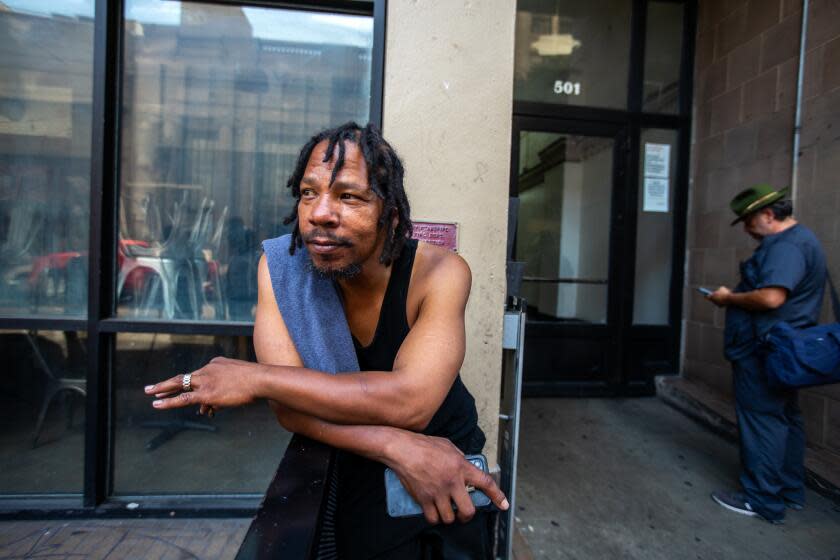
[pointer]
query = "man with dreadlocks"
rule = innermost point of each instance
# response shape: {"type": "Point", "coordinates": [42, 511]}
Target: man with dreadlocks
{"type": "Point", "coordinates": [407, 408]}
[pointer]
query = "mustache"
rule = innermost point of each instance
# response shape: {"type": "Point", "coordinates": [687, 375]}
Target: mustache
{"type": "Point", "coordinates": [324, 234]}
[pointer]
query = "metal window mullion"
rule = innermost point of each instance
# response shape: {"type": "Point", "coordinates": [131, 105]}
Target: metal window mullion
{"type": "Point", "coordinates": [377, 71]}
{"type": "Point", "coordinates": [638, 38]}
{"type": "Point", "coordinates": [680, 237]}
{"type": "Point", "coordinates": [681, 186]}
{"type": "Point", "coordinates": [43, 323]}
{"type": "Point", "coordinates": [348, 7]}
{"type": "Point", "coordinates": [687, 62]}
{"type": "Point", "coordinates": [229, 328]}
{"type": "Point", "coordinates": [103, 180]}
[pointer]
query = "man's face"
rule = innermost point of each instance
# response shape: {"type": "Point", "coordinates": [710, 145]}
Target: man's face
{"type": "Point", "coordinates": [338, 222]}
{"type": "Point", "coordinates": [759, 224]}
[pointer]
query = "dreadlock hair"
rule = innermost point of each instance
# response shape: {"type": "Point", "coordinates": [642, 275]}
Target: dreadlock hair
{"type": "Point", "coordinates": [385, 177]}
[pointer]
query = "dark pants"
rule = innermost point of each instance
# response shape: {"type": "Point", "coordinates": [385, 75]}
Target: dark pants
{"type": "Point", "coordinates": [365, 531]}
{"type": "Point", "coordinates": [414, 539]}
{"type": "Point", "coordinates": [772, 440]}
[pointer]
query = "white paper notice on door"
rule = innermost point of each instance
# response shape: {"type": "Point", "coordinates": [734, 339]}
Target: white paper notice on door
{"type": "Point", "coordinates": [656, 177]}
{"type": "Point", "coordinates": [656, 195]}
{"type": "Point", "coordinates": [657, 160]}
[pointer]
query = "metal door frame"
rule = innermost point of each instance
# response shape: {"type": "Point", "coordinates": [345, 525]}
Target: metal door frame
{"type": "Point", "coordinates": [610, 331]}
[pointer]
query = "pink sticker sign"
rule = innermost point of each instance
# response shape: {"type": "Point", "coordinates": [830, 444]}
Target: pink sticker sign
{"type": "Point", "coordinates": [437, 233]}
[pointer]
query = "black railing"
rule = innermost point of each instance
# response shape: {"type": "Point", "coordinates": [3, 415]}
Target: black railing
{"type": "Point", "coordinates": [287, 524]}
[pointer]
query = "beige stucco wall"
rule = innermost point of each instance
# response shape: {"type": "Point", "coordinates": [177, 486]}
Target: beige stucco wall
{"type": "Point", "coordinates": [447, 110]}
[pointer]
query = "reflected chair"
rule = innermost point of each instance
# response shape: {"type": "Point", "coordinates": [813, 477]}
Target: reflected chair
{"type": "Point", "coordinates": [164, 259]}
{"type": "Point", "coordinates": [56, 385]}
{"type": "Point", "coordinates": [59, 279]}
{"type": "Point", "coordinates": [170, 428]}
{"type": "Point", "coordinates": [178, 262]}
{"type": "Point", "coordinates": [204, 244]}
{"type": "Point", "coordinates": [25, 221]}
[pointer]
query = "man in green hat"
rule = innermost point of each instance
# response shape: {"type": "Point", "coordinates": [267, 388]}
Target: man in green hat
{"type": "Point", "coordinates": [783, 280]}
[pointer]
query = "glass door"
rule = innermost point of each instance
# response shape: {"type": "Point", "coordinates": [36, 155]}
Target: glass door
{"type": "Point", "coordinates": [569, 183]}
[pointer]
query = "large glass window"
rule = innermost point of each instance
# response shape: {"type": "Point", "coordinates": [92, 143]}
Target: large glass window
{"type": "Point", "coordinates": [42, 411]}
{"type": "Point", "coordinates": [46, 62]}
{"type": "Point", "coordinates": [572, 52]}
{"type": "Point", "coordinates": [217, 101]}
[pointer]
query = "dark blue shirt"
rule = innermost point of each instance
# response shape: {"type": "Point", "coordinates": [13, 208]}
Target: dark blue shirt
{"type": "Point", "coordinates": [792, 259]}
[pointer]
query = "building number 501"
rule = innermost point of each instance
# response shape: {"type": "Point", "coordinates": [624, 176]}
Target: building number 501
{"type": "Point", "coordinates": [568, 88]}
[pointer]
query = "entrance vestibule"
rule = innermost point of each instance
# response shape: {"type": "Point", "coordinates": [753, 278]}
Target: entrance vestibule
{"type": "Point", "coordinates": [599, 169]}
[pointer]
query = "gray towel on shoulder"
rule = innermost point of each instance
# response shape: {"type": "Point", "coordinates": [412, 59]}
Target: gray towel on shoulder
{"type": "Point", "coordinates": [311, 309]}
{"type": "Point", "coordinates": [318, 327]}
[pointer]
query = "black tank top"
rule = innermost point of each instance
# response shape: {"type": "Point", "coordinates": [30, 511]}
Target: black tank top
{"type": "Point", "coordinates": [361, 480]}
{"type": "Point", "coordinates": [456, 418]}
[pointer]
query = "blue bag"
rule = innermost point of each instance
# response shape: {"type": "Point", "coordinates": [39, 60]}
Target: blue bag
{"type": "Point", "coordinates": [796, 358]}
{"type": "Point", "coordinates": [802, 357]}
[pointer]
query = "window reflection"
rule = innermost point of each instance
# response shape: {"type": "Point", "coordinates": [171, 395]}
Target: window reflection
{"type": "Point", "coordinates": [217, 102]}
{"type": "Point", "coordinates": [42, 411]}
{"type": "Point", "coordinates": [45, 130]}
{"type": "Point", "coordinates": [663, 50]}
{"type": "Point", "coordinates": [564, 186]}
{"type": "Point", "coordinates": [572, 52]}
{"type": "Point", "coordinates": [177, 451]}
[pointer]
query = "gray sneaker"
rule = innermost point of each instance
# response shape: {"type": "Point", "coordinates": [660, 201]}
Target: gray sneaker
{"type": "Point", "coordinates": [795, 506]}
{"type": "Point", "coordinates": [735, 501]}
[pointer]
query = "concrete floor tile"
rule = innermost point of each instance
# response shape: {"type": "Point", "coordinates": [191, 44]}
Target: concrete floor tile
{"type": "Point", "coordinates": [137, 539]}
{"type": "Point", "coordinates": [631, 478]}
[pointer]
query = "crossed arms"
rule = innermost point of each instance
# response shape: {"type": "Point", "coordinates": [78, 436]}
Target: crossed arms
{"type": "Point", "coordinates": [373, 414]}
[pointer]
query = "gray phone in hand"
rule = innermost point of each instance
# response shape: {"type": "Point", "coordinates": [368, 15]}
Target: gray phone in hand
{"type": "Point", "coordinates": [401, 504]}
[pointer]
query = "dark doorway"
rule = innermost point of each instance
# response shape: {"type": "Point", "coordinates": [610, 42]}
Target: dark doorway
{"type": "Point", "coordinates": [599, 171]}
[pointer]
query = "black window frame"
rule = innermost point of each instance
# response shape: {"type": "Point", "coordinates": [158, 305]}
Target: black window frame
{"type": "Point", "coordinates": [633, 120]}
{"type": "Point", "coordinates": [102, 325]}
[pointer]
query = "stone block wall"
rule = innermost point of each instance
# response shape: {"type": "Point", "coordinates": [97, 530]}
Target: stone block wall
{"type": "Point", "coordinates": [747, 56]}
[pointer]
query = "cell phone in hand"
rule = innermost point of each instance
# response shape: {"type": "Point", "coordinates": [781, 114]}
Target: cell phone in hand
{"type": "Point", "coordinates": [705, 291]}
{"type": "Point", "coordinates": [401, 504]}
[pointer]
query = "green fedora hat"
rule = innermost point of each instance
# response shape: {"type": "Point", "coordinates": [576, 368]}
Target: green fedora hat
{"type": "Point", "coordinates": [755, 198]}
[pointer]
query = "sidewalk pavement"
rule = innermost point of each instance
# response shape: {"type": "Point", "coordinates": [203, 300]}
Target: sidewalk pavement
{"type": "Point", "coordinates": [631, 479]}
{"type": "Point", "coordinates": [119, 539]}
{"type": "Point", "coordinates": [598, 478]}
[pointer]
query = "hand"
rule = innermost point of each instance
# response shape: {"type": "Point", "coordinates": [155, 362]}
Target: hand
{"type": "Point", "coordinates": [720, 297]}
{"type": "Point", "coordinates": [221, 383]}
{"type": "Point", "coordinates": [436, 474]}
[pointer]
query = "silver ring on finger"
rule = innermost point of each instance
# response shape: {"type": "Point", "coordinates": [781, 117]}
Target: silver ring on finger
{"type": "Point", "coordinates": [186, 383]}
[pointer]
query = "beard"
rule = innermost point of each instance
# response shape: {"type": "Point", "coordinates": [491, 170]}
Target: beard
{"type": "Point", "coordinates": [344, 273]}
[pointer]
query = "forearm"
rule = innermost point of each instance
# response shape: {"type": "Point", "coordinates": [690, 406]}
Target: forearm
{"type": "Point", "coordinates": [755, 300]}
{"type": "Point", "coordinates": [370, 397]}
{"type": "Point", "coordinates": [372, 442]}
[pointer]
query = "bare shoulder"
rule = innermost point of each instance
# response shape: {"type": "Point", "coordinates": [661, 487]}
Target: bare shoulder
{"type": "Point", "coordinates": [437, 266]}
{"type": "Point", "coordinates": [262, 269]}
{"type": "Point", "coordinates": [265, 292]}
